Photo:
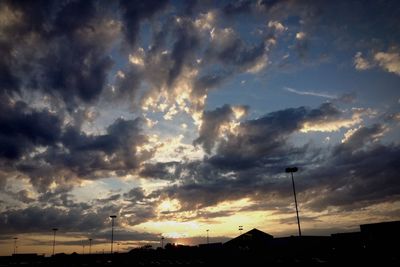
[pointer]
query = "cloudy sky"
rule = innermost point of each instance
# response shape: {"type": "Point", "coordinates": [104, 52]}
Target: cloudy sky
{"type": "Point", "coordinates": [181, 116]}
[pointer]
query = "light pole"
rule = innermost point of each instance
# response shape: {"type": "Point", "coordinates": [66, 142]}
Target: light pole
{"type": "Point", "coordinates": [162, 242]}
{"type": "Point", "coordinates": [292, 170]}
{"type": "Point", "coordinates": [208, 241]}
{"type": "Point", "coordinates": [54, 239]}
{"type": "Point", "coordinates": [90, 246]}
{"type": "Point", "coordinates": [112, 231]}
{"type": "Point", "coordinates": [15, 245]}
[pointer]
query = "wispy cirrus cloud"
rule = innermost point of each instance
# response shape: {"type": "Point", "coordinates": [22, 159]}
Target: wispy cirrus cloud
{"type": "Point", "coordinates": [310, 93]}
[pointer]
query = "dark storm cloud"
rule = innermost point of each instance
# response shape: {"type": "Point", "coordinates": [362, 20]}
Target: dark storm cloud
{"type": "Point", "coordinates": [354, 174]}
{"type": "Point", "coordinates": [161, 170]}
{"type": "Point", "coordinates": [180, 45]}
{"type": "Point", "coordinates": [57, 197]}
{"type": "Point", "coordinates": [140, 208]}
{"type": "Point", "coordinates": [8, 82]}
{"type": "Point", "coordinates": [231, 51]}
{"type": "Point", "coordinates": [59, 52]}
{"type": "Point", "coordinates": [349, 186]}
{"type": "Point", "coordinates": [265, 138]}
{"type": "Point", "coordinates": [128, 85]}
{"type": "Point", "coordinates": [88, 156]}
{"type": "Point", "coordinates": [359, 171]}
{"type": "Point", "coordinates": [362, 137]}
{"type": "Point", "coordinates": [212, 122]}
{"type": "Point", "coordinates": [23, 128]}
{"type": "Point", "coordinates": [109, 199]}
{"type": "Point", "coordinates": [209, 81]}
{"type": "Point", "coordinates": [35, 142]}
{"type": "Point", "coordinates": [70, 59]}
{"type": "Point", "coordinates": [15, 31]}
{"type": "Point", "coordinates": [135, 11]}
{"type": "Point", "coordinates": [76, 217]}
{"type": "Point", "coordinates": [237, 7]}
{"type": "Point", "coordinates": [80, 73]}
{"type": "Point", "coordinates": [35, 219]}
{"type": "Point", "coordinates": [187, 42]}
{"type": "Point", "coordinates": [176, 47]}
{"type": "Point", "coordinates": [23, 195]}
{"type": "Point", "coordinates": [72, 42]}
{"type": "Point", "coordinates": [135, 194]}
{"type": "Point", "coordinates": [137, 214]}
{"type": "Point", "coordinates": [204, 185]}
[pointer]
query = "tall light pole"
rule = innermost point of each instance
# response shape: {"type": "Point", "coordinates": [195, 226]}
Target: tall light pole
{"type": "Point", "coordinates": [112, 231]}
{"type": "Point", "coordinates": [90, 246]}
{"type": "Point", "coordinates": [292, 170]}
{"type": "Point", "coordinates": [162, 242]}
{"type": "Point", "coordinates": [54, 239]}
{"type": "Point", "coordinates": [15, 245]}
{"type": "Point", "coordinates": [208, 241]}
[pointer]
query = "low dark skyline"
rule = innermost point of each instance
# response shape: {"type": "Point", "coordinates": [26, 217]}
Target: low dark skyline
{"type": "Point", "coordinates": [181, 116]}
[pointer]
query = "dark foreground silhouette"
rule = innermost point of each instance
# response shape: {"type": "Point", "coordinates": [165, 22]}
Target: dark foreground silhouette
{"type": "Point", "coordinates": [375, 244]}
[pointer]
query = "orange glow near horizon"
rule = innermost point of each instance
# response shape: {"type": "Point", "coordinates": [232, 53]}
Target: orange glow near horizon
{"type": "Point", "coordinates": [194, 232]}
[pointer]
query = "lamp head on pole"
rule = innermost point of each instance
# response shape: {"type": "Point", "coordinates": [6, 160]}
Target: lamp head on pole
{"type": "Point", "coordinates": [55, 229]}
{"type": "Point", "coordinates": [113, 216]}
{"type": "Point", "coordinates": [293, 169]}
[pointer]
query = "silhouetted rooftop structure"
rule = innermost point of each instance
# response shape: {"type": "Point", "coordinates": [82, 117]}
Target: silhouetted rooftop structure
{"type": "Point", "coordinates": [382, 228]}
{"type": "Point", "coordinates": [253, 239]}
{"type": "Point", "coordinates": [381, 239]}
{"type": "Point", "coordinates": [347, 241]}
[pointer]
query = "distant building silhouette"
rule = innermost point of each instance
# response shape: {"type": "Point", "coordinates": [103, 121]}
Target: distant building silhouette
{"type": "Point", "coordinates": [381, 238]}
{"type": "Point", "coordinates": [251, 240]}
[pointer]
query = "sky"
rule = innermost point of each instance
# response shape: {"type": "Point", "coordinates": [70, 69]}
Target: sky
{"type": "Point", "coordinates": [180, 117]}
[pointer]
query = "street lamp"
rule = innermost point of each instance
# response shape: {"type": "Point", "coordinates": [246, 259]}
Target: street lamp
{"type": "Point", "coordinates": [208, 241]}
{"type": "Point", "coordinates": [15, 245]}
{"type": "Point", "coordinates": [112, 231]}
{"type": "Point", "coordinates": [292, 170]}
{"type": "Point", "coordinates": [54, 239]}
{"type": "Point", "coordinates": [162, 242]}
{"type": "Point", "coordinates": [90, 246]}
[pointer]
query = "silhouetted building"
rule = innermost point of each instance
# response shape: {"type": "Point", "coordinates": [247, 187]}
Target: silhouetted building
{"type": "Point", "coordinates": [382, 238]}
{"type": "Point", "coordinates": [347, 242]}
{"type": "Point", "coordinates": [380, 232]}
{"type": "Point", "coordinates": [251, 240]}
{"type": "Point", "coordinates": [212, 246]}
{"type": "Point", "coordinates": [301, 247]}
